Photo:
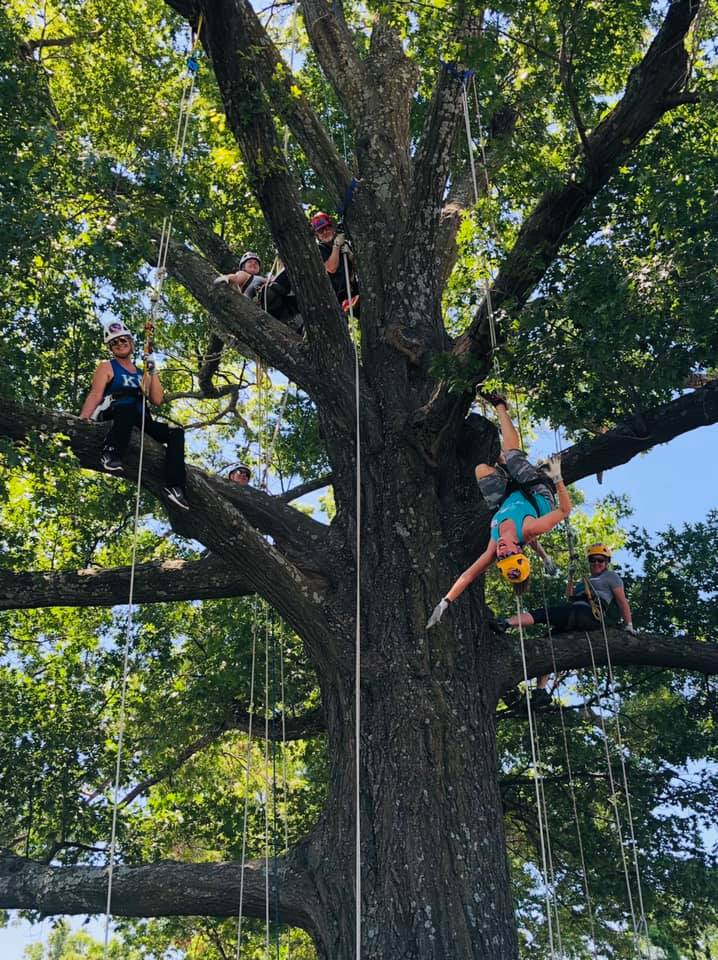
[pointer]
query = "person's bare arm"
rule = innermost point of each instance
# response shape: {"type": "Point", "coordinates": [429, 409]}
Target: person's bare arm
{"type": "Point", "coordinates": [100, 379]}
{"type": "Point", "coordinates": [472, 572]}
{"type": "Point", "coordinates": [534, 526]}
{"type": "Point", "coordinates": [619, 595]}
{"type": "Point", "coordinates": [156, 393]}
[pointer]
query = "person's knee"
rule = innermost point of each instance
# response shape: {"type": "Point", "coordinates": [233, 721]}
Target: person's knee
{"type": "Point", "coordinates": [483, 470]}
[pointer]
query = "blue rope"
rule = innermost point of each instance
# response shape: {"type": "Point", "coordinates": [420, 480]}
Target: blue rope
{"type": "Point", "coordinates": [348, 197]}
{"type": "Point", "coordinates": [462, 75]}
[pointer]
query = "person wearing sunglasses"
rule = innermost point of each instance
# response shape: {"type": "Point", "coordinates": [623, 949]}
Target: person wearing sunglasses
{"type": "Point", "coordinates": [116, 395]}
{"type": "Point", "coordinates": [588, 603]}
{"type": "Point", "coordinates": [523, 498]}
{"type": "Point", "coordinates": [588, 600]}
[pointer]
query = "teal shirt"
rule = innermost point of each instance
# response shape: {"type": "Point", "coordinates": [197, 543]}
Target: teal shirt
{"type": "Point", "coordinates": [516, 507]}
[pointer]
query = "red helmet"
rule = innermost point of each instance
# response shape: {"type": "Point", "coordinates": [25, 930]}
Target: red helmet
{"type": "Point", "coordinates": [321, 220]}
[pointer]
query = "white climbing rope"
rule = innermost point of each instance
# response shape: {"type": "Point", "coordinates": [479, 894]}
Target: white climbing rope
{"type": "Point", "coordinates": [613, 798]}
{"type": "Point", "coordinates": [537, 776]}
{"type": "Point", "coordinates": [155, 295]}
{"type": "Point", "coordinates": [624, 776]}
{"type": "Point", "coordinates": [357, 638]}
{"type": "Point", "coordinates": [571, 784]}
{"type": "Point", "coordinates": [247, 774]}
{"type": "Point", "coordinates": [487, 281]}
{"type": "Point", "coordinates": [123, 692]}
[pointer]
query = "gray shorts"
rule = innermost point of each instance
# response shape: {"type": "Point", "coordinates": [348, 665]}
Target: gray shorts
{"type": "Point", "coordinates": [516, 467]}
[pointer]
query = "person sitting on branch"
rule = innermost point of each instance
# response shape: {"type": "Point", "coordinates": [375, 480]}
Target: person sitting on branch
{"type": "Point", "coordinates": [523, 498]}
{"type": "Point", "coordinates": [116, 395]}
{"type": "Point", "coordinates": [247, 279]}
{"type": "Point", "coordinates": [240, 473]}
{"type": "Point", "coordinates": [589, 600]}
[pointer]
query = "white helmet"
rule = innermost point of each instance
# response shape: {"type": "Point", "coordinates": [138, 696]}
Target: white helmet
{"type": "Point", "coordinates": [117, 329]}
{"type": "Point", "coordinates": [250, 255]}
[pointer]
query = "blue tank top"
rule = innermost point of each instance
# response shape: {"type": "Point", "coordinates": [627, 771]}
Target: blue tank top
{"type": "Point", "coordinates": [124, 380]}
{"type": "Point", "coordinates": [516, 507]}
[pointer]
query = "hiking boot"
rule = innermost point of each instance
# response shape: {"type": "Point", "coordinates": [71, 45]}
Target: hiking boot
{"type": "Point", "coordinates": [110, 461]}
{"type": "Point", "coordinates": [176, 496]}
{"type": "Point", "coordinates": [499, 626]}
{"type": "Point", "coordinates": [540, 697]}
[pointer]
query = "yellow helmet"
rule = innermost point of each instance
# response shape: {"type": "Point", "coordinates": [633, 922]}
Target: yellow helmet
{"type": "Point", "coordinates": [516, 567]}
{"type": "Point", "coordinates": [598, 550]}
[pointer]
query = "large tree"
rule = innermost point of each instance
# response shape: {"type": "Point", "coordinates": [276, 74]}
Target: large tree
{"type": "Point", "coordinates": [595, 279]}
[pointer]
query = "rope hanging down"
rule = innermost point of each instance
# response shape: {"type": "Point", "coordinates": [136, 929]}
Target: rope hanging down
{"type": "Point", "coordinates": [640, 925]}
{"type": "Point", "coordinates": [357, 637]}
{"type": "Point", "coordinates": [148, 349]}
{"type": "Point", "coordinates": [537, 776]}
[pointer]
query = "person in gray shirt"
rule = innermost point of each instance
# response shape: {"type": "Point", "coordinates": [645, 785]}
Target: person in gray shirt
{"type": "Point", "coordinates": [588, 603]}
{"type": "Point", "coordinates": [582, 612]}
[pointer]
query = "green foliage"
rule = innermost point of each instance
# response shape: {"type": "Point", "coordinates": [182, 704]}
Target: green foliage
{"type": "Point", "coordinates": [625, 313]}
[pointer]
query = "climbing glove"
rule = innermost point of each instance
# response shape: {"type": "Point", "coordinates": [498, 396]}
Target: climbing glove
{"type": "Point", "coordinates": [438, 613]}
{"type": "Point", "coordinates": [552, 467]}
{"type": "Point", "coordinates": [550, 567]}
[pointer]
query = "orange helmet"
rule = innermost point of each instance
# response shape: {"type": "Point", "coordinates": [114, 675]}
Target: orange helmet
{"type": "Point", "coordinates": [516, 567]}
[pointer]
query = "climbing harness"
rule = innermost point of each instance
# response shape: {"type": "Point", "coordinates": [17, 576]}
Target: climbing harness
{"type": "Point", "coordinates": [154, 297]}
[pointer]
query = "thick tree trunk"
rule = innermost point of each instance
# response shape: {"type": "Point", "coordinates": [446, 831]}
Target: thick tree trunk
{"type": "Point", "coordinates": [434, 875]}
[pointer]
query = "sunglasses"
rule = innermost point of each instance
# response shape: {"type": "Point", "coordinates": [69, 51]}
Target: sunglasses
{"type": "Point", "coordinates": [118, 341]}
{"type": "Point", "coordinates": [597, 560]}
{"type": "Point", "coordinates": [319, 227]}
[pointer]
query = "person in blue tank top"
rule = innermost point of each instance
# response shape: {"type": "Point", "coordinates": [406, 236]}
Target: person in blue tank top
{"type": "Point", "coordinates": [116, 395]}
{"type": "Point", "coordinates": [522, 496]}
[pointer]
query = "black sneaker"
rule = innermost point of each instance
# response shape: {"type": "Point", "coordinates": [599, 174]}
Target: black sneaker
{"type": "Point", "coordinates": [176, 496]}
{"type": "Point", "coordinates": [499, 626]}
{"type": "Point", "coordinates": [110, 461]}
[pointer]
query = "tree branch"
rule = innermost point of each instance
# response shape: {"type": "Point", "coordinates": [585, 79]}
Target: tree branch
{"type": "Point", "coordinates": [302, 489]}
{"type": "Point", "coordinates": [214, 519]}
{"type": "Point", "coordinates": [428, 185]}
{"type": "Point", "coordinates": [248, 111]}
{"type": "Point", "coordinates": [572, 651]}
{"type": "Point", "coordinates": [242, 319]}
{"type": "Point", "coordinates": [161, 581]}
{"type": "Point", "coordinates": [309, 724]}
{"type": "Point", "coordinates": [632, 436]}
{"type": "Point", "coordinates": [651, 90]}
{"type": "Point", "coordinates": [160, 889]}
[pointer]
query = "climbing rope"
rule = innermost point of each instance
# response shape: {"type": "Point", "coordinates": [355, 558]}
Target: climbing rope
{"type": "Point", "coordinates": [571, 785]}
{"type": "Point", "coordinates": [613, 800]}
{"type": "Point", "coordinates": [624, 776]}
{"type": "Point", "coordinates": [154, 297]}
{"type": "Point", "coordinates": [123, 691]}
{"type": "Point", "coordinates": [357, 637]}
{"type": "Point", "coordinates": [598, 612]}
{"type": "Point", "coordinates": [247, 774]}
{"type": "Point", "coordinates": [487, 280]}
{"type": "Point", "coordinates": [537, 777]}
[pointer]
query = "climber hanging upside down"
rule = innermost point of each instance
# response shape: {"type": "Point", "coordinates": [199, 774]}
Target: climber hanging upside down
{"type": "Point", "coordinates": [523, 498]}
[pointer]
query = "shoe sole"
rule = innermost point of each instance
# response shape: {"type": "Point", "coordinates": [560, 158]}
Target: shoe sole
{"type": "Point", "coordinates": [182, 506]}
